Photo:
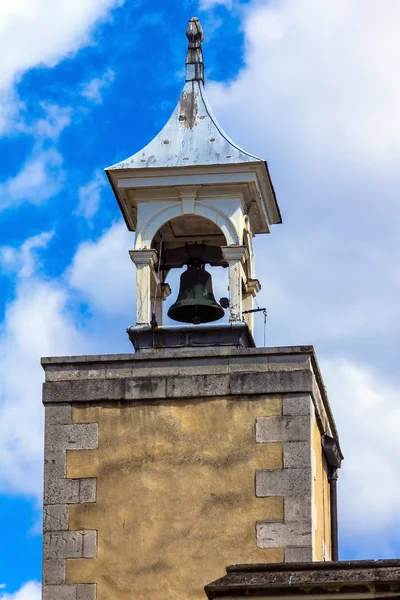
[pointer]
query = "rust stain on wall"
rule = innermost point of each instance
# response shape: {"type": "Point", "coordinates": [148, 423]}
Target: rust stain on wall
{"type": "Point", "coordinates": [175, 494]}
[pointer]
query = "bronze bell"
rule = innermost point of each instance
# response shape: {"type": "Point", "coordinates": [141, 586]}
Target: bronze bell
{"type": "Point", "coordinates": [196, 303]}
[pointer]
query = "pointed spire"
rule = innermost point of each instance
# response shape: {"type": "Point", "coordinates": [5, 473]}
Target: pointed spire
{"type": "Point", "coordinates": [194, 59]}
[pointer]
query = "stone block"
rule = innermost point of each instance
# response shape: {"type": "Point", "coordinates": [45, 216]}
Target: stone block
{"type": "Point", "coordinates": [53, 572]}
{"type": "Point", "coordinates": [89, 549]}
{"type": "Point", "coordinates": [283, 482]}
{"type": "Point", "coordinates": [61, 491]}
{"type": "Point", "coordinates": [71, 437]}
{"type": "Point", "coordinates": [297, 405]}
{"type": "Point", "coordinates": [59, 592]}
{"type": "Point", "coordinates": [63, 544]}
{"type": "Point", "coordinates": [86, 591]}
{"type": "Point", "coordinates": [55, 517]}
{"type": "Point", "coordinates": [297, 508]}
{"type": "Point", "coordinates": [58, 414]}
{"type": "Point", "coordinates": [296, 455]}
{"type": "Point", "coordinates": [275, 535]}
{"type": "Point", "coordinates": [87, 490]}
{"type": "Point", "coordinates": [282, 429]}
{"type": "Point", "coordinates": [299, 554]}
{"type": "Point", "coordinates": [55, 465]}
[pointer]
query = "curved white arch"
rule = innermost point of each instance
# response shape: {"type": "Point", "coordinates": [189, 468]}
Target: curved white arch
{"type": "Point", "coordinates": [146, 233]}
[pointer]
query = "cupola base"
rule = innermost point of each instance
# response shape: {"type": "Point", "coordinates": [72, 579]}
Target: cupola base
{"type": "Point", "coordinates": [149, 339]}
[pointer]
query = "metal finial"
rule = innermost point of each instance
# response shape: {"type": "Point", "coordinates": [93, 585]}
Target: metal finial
{"type": "Point", "coordinates": [194, 59]}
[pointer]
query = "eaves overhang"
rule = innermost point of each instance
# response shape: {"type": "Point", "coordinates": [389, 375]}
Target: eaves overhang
{"type": "Point", "coordinates": [262, 204]}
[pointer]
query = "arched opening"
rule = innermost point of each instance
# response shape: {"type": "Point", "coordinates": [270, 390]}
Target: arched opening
{"type": "Point", "coordinates": [185, 240]}
{"type": "Point", "coordinates": [189, 229]}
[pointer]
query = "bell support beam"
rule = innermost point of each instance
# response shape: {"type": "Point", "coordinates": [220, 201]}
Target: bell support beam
{"type": "Point", "coordinates": [144, 261]}
{"type": "Point", "coordinates": [235, 257]}
{"type": "Point", "coordinates": [160, 294]}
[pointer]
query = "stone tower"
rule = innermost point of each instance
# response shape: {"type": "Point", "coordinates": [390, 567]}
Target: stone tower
{"type": "Point", "coordinates": [198, 450]}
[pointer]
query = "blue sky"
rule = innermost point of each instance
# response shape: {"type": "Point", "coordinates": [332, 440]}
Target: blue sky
{"type": "Point", "coordinates": [310, 85]}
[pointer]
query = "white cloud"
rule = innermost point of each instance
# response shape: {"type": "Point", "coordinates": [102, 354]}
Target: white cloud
{"type": "Point", "coordinates": [41, 321]}
{"type": "Point", "coordinates": [37, 181]}
{"type": "Point", "coordinates": [320, 74]}
{"type": "Point", "coordinates": [93, 89]}
{"type": "Point", "coordinates": [51, 125]}
{"type": "Point", "coordinates": [322, 95]}
{"type": "Point", "coordinates": [90, 196]}
{"type": "Point", "coordinates": [318, 96]}
{"type": "Point", "coordinates": [24, 260]}
{"type": "Point", "coordinates": [367, 411]}
{"type": "Point", "coordinates": [29, 591]}
{"type": "Point", "coordinates": [47, 32]}
{"type": "Point", "coordinates": [207, 4]}
{"type": "Point", "coordinates": [37, 323]}
{"type": "Point", "coordinates": [103, 272]}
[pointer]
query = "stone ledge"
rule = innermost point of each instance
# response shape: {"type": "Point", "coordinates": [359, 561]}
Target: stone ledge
{"type": "Point", "coordinates": [174, 387]}
{"type": "Point", "coordinates": [367, 579]}
{"type": "Point", "coordinates": [174, 354]}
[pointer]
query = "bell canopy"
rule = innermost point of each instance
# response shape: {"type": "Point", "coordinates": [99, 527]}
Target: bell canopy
{"type": "Point", "coordinates": [192, 136]}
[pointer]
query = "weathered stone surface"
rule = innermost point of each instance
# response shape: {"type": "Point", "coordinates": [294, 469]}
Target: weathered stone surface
{"type": "Point", "coordinates": [338, 580]}
{"type": "Point", "coordinates": [298, 554]}
{"type": "Point", "coordinates": [183, 386]}
{"type": "Point", "coordinates": [71, 437]}
{"type": "Point", "coordinates": [297, 455]}
{"type": "Point", "coordinates": [168, 354]}
{"type": "Point", "coordinates": [286, 482]}
{"type": "Point", "coordinates": [58, 414]}
{"type": "Point", "coordinates": [297, 404]}
{"type": "Point", "coordinates": [61, 491]}
{"type": "Point", "coordinates": [297, 508]}
{"type": "Point", "coordinates": [275, 535]}
{"type": "Point", "coordinates": [53, 572]}
{"type": "Point", "coordinates": [63, 544]}
{"type": "Point", "coordinates": [86, 591]}
{"type": "Point", "coordinates": [59, 592]}
{"type": "Point", "coordinates": [87, 490]}
{"type": "Point", "coordinates": [55, 466]}
{"type": "Point", "coordinates": [55, 517]}
{"type": "Point", "coordinates": [282, 429]}
{"type": "Point", "coordinates": [89, 548]}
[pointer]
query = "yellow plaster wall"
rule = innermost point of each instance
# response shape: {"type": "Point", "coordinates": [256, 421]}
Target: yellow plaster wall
{"type": "Point", "coordinates": [175, 494]}
{"type": "Point", "coordinates": [322, 513]}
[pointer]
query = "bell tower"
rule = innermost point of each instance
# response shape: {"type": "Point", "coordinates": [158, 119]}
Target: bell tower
{"type": "Point", "coordinates": [197, 450]}
{"type": "Point", "coordinates": [194, 197]}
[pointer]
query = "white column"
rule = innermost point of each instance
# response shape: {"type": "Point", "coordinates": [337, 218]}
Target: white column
{"type": "Point", "coordinates": [252, 287]}
{"type": "Point", "coordinates": [144, 261]}
{"type": "Point", "coordinates": [235, 257]}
